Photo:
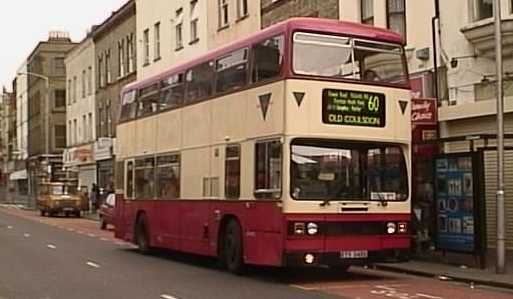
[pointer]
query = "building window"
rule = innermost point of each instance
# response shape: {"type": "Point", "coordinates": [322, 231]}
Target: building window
{"type": "Point", "coordinates": [108, 73]}
{"type": "Point", "coordinates": [89, 80]}
{"type": "Point", "coordinates": [146, 46]}
{"type": "Point", "coordinates": [70, 142]}
{"type": "Point", "coordinates": [100, 122]}
{"type": "Point", "coordinates": [83, 83]}
{"type": "Point", "coordinates": [156, 42]}
{"type": "Point", "coordinates": [75, 132]}
{"type": "Point", "coordinates": [268, 169]}
{"type": "Point", "coordinates": [223, 13]}
{"type": "Point", "coordinates": [242, 8]}
{"type": "Point", "coordinates": [74, 89]}
{"type": "Point", "coordinates": [121, 58]}
{"type": "Point", "coordinates": [130, 53]}
{"type": "Point", "coordinates": [268, 58]}
{"type": "Point", "coordinates": [194, 21]}
{"type": "Point", "coordinates": [60, 136]}
{"type": "Point", "coordinates": [483, 9]}
{"type": "Point", "coordinates": [70, 92]}
{"type": "Point", "coordinates": [108, 117]}
{"type": "Point", "coordinates": [145, 178]}
{"type": "Point", "coordinates": [59, 66]}
{"type": "Point", "coordinates": [232, 172]}
{"type": "Point", "coordinates": [396, 16]}
{"type": "Point", "coordinates": [60, 98]}
{"type": "Point", "coordinates": [367, 11]}
{"type": "Point", "coordinates": [168, 176]}
{"type": "Point", "coordinates": [179, 29]}
{"type": "Point", "coordinates": [84, 129]}
{"type": "Point", "coordinates": [101, 77]}
{"type": "Point", "coordinates": [90, 127]}
{"type": "Point", "coordinates": [232, 71]}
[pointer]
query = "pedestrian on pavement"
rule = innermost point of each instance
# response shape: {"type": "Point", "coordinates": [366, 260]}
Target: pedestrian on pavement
{"type": "Point", "coordinates": [93, 197]}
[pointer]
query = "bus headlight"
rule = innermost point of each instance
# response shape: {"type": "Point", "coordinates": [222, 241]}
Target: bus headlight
{"type": "Point", "coordinates": [391, 228]}
{"type": "Point", "coordinates": [299, 228]}
{"type": "Point", "coordinates": [312, 228]}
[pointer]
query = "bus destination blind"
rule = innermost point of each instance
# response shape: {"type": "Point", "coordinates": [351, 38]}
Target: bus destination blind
{"type": "Point", "coordinates": [353, 108]}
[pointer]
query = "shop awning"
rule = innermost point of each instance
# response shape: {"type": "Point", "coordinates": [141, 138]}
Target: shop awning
{"type": "Point", "coordinates": [18, 175]}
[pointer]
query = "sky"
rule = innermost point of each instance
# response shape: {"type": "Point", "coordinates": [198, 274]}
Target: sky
{"type": "Point", "coordinates": [23, 23]}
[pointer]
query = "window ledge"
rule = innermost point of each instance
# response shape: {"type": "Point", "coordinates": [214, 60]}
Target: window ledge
{"type": "Point", "coordinates": [223, 27]}
{"type": "Point", "coordinates": [157, 59]}
{"type": "Point", "coordinates": [481, 35]}
{"type": "Point", "coordinates": [178, 48]}
{"type": "Point", "coordinates": [146, 64]}
{"type": "Point", "coordinates": [194, 41]}
{"type": "Point", "coordinates": [242, 18]}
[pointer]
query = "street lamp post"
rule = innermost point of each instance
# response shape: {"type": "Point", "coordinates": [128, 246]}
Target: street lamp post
{"type": "Point", "coordinates": [47, 109]}
{"type": "Point", "coordinates": [501, 254]}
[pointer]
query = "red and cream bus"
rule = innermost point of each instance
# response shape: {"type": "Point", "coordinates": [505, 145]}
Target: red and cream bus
{"type": "Point", "coordinates": [289, 147]}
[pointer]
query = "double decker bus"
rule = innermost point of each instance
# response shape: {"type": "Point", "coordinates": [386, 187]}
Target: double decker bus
{"type": "Point", "coordinates": [290, 147]}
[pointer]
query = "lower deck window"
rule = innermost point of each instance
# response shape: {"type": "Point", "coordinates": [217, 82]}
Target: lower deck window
{"type": "Point", "coordinates": [145, 178]}
{"type": "Point", "coordinates": [232, 172]}
{"type": "Point", "coordinates": [168, 176]}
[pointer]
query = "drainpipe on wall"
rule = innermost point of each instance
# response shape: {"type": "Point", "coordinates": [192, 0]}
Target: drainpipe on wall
{"type": "Point", "coordinates": [434, 19]}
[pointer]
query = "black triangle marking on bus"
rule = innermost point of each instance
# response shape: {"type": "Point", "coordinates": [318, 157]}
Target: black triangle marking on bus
{"type": "Point", "coordinates": [265, 99]}
{"type": "Point", "coordinates": [403, 105]}
{"type": "Point", "coordinates": [299, 97]}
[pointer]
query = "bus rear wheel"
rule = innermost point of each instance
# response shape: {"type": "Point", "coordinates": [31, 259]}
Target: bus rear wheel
{"type": "Point", "coordinates": [141, 235]}
{"type": "Point", "coordinates": [232, 248]}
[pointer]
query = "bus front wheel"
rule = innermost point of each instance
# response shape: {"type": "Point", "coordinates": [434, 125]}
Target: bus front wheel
{"type": "Point", "coordinates": [141, 235]}
{"type": "Point", "coordinates": [232, 248]}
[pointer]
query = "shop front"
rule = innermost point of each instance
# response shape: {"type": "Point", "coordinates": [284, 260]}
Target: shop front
{"type": "Point", "coordinates": [103, 154]}
{"type": "Point", "coordinates": [80, 165]}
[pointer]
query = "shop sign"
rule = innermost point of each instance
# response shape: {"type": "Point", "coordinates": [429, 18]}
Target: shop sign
{"type": "Point", "coordinates": [424, 112]}
{"type": "Point", "coordinates": [103, 149]}
{"type": "Point", "coordinates": [78, 155]}
{"type": "Point", "coordinates": [459, 202]}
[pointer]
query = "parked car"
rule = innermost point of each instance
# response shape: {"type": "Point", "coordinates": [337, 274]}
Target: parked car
{"type": "Point", "coordinates": [60, 197]}
{"type": "Point", "coordinates": [107, 211]}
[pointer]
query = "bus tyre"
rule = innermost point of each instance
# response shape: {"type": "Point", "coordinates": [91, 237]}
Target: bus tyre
{"type": "Point", "coordinates": [141, 235]}
{"type": "Point", "coordinates": [232, 248]}
{"type": "Point", "coordinates": [103, 224]}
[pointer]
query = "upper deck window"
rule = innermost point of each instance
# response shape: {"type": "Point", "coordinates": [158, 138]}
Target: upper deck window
{"type": "Point", "coordinates": [148, 100]}
{"type": "Point", "coordinates": [172, 92]}
{"type": "Point", "coordinates": [347, 58]}
{"type": "Point", "coordinates": [268, 58]}
{"type": "Point", "coordinates": [232, 71]}
{"type": "Point", "coordinates": [128, 105]}
{"type": "Point", "coordinates": [199, 82]}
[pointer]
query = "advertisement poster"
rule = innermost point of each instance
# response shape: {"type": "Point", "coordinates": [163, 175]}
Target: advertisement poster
{"type": "Point", "coordinates": [456, 198]}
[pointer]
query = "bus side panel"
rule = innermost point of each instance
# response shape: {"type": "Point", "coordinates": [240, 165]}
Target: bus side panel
{"type": "Point", "coordinates": [262, 229]}
{"type": "Point", "coordinates": [194, 227]}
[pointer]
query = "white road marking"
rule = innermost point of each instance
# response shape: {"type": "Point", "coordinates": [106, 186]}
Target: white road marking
{"type": "Point", "coordinates": [303, 288]}
{"type": "Point", "coordinates": [70, 229]}
{"type": "Point", "coordinates": [26, 235]}
{"type": "Point", "coordinates": [51, 246]}
{"type": "Point", "coordinates": [9, 227]}
{"type": "Point", "coordinates": [104, 239]}
{"type": "Point", "coordinates": [91, 235]}
{"type": "Point", "coordinates": [428, 296]}
{"type": "Point", "coordinates": [94, 265]}
{"type": "Point", "coordinates": [166, 296]}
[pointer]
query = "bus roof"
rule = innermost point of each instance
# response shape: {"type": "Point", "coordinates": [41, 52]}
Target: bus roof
{"type": "Point", "coordinates": [337, 27]}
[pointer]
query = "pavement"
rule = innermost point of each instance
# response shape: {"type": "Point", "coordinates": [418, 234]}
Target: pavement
{"type": "Point", "coordinates": [441, 271]}
{"type": "Point", "coordinates": [472, 276]}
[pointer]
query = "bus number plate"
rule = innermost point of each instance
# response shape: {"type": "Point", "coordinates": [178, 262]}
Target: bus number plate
{"type": "Point", "coordinates": [354, 254]}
